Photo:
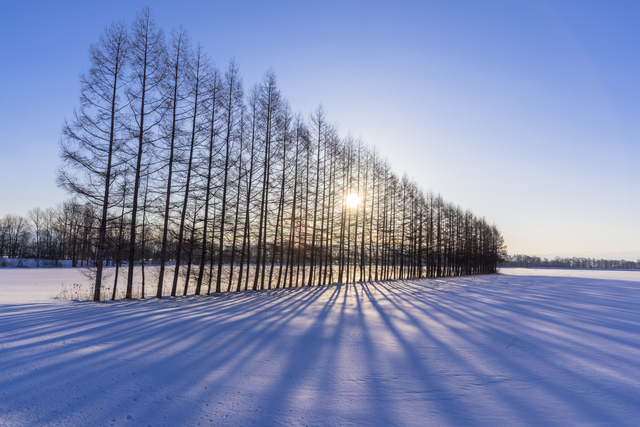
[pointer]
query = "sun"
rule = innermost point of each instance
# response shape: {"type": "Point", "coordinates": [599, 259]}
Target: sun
{"type": "Point", "coordinates": [353, 200]}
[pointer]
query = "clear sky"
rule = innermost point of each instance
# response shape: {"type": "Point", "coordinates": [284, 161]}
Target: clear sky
{"type": "Point", "coordinates": [525, 112]}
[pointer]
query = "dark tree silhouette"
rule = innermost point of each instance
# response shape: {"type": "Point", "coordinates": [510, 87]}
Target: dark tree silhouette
{"type": "Point", "coordinates": [222, 183]}
{"type": "Point", "coordinates": [92, 141]}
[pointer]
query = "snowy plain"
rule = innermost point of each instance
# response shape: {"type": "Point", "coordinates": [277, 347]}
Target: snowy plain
{"type": "Point", "coordinates": [525, 347]}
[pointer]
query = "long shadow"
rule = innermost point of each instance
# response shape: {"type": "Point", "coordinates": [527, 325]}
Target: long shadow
{"type": "Point", "coordinates": [465, 312]}
{"type": "Point", "coordinates": [384, 353]}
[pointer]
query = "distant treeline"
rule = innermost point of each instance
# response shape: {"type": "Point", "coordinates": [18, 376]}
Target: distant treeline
{"type": "Point", "coordinates": [527, 261]}
{"type": "Point", "coordinates": [174, 162]}
{"type": "Point", "coordinates": [49, 236]}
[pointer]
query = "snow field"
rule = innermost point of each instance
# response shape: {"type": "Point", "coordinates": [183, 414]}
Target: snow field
{"type": "Point", "coordinates": [527, 347]}
{"type": "Point", "coordinates": [44, 284]}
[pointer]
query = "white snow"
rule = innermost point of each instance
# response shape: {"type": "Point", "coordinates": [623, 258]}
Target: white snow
{"type": "Point", "coordinates": [527, 347]}
{"type": "Point", "coordinates": [30, 285]}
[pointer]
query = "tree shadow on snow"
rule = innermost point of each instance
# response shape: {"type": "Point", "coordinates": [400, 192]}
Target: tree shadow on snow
{"type": "Point", "coordinates": [383, 353]}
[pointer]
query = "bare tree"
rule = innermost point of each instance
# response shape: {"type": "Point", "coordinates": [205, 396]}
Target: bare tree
{"type": "Point", "coordinates": [176, 91]}
{"type": "Point", "coordinates": [92, 140]}
{"type": "Point", "coordinates": [269, 101]}
{"type": "Point", "coordinates": [252, 118]}
{"type": "Point", "coordinates": [198, 75]}
{"type": "Point", "coordinates": [231, 105]}
{"type": "Point", "coordinates": [211, 106]}
{"type": "Point", "coordinates": [147, 105]}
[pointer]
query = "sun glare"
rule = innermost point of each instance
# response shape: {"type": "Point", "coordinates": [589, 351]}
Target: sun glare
{"type": "Point", "coordinates": [353, 200]}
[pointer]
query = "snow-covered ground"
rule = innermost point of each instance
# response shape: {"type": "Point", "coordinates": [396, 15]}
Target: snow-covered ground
{"type": "Point", "coordinates": [527, 347]}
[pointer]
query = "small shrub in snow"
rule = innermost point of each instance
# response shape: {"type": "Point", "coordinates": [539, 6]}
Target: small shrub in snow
{"type": "Point", "coordinates": [76, 292]}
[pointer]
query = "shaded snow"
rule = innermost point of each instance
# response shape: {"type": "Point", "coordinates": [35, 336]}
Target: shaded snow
{"type": "Point", "coordinates": [528, 347]}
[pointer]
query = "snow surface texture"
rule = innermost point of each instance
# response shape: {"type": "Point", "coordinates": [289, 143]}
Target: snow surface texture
{"type": "Point", "coordinates": [527, 347]}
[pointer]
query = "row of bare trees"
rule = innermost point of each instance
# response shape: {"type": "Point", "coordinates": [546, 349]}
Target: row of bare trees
{"type": "Point", "coordinates": [527, 261]}
{"type": "Point", "coordinates": [226, 190]}
{"type": "Point", "coordinates": [49, 236]}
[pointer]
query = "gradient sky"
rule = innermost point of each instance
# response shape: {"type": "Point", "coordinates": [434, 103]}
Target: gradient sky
{"type": "Point", "coordinates": [525, 112]}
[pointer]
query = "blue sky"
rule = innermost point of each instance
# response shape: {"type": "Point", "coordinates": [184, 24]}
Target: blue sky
{"type": "Point", "coordinates": [527, 113]}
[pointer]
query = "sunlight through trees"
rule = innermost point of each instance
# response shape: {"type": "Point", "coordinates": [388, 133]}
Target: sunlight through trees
{"type": "Point", "coordinates": [180, 166]}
